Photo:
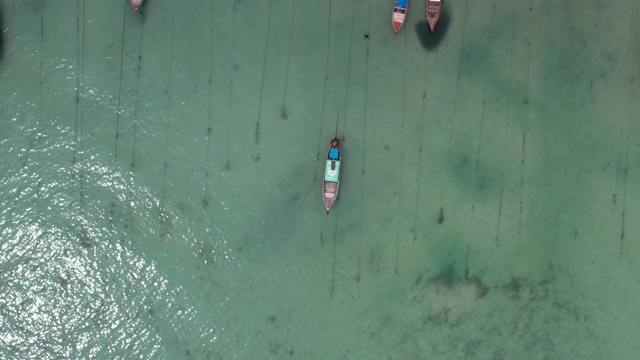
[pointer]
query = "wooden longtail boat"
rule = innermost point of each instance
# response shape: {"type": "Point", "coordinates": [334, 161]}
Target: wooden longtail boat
{"type": "Point", "coordinates": [331, 180]}
{"type": "Point", "coordinates": [136, 5]}
{"type": "Point", "coordinates": [399, 14]}
{"type": "Point", "coordinates": [433, 12]}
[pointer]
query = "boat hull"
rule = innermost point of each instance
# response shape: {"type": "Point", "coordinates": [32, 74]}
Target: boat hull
{"type": "Point", "coordinates": [399, 14]}
{"type": "Point", "coordinates": [331, 180]}
{"type": "Point", "coordinates": [136, 5]}
{"type": "Point", "coordinates": [434, 7]}
{"type": "Point", "coordinates": [330, 194]}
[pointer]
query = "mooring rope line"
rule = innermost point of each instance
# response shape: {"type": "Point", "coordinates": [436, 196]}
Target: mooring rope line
{"type": "Point", "coordinates": [346, 100]}
{"type": "Point", "coordinates": [78, 149]}
{"type": "Point", "coordinates": [319, 150]}
{"type": "Point", "coordinates": [455, 104]}
{"type": "Point", "coordinates": [634, 19]}
{"type": "Point", "coordinates": [324, 92]}
{"type": "Point", "coordinates": [346, 96]}
{"type": "Point", "coordinates": [506, 129]}
{"type": "Point", "coordinates": [264, 70]}
{"type": "Point", "coordinates": [526, 118]}
{"type": "Point", "coordinates": [118, 108]}
{"type": "Point", "coordinates": [210, 119]}
{"type": "Point", "coordinates": [227, 166]}
{"type": "Point", "coordinates": [136, 118]}
{"type": "Point", "coordinates": [364, 143]}
{"type": "Point", "coordinates": [420, 152]}
{"type": "Point", "coordinates": [286, 79]}
{"type": "Point", "coordinates": [479, 147]}
{"type": "Point", "coordinates": [168, 120]}
{"type": "Point", "coordinates": [335, 255]}
{"type": "Point", "coordinates": [34, 138]}
{"type": "Point", "coordinates": [404, 101]}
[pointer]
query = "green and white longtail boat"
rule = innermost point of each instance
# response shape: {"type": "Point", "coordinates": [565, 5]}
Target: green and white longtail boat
{"type": "Point", "coordinates": [331, 181]}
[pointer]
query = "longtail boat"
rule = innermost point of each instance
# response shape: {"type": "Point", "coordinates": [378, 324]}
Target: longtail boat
{"type": "Point", "coordinates": [136, 5]}
{"type": "Point", "coordinates": [433, 12]}
{"type": "Point", "coordinates": [331, 180]}
{"type": "Point", "coordinates": [399, 14]}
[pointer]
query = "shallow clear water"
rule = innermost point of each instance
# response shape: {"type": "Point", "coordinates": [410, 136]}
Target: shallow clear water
{"type": "Point", "coordinates": [160, 177]}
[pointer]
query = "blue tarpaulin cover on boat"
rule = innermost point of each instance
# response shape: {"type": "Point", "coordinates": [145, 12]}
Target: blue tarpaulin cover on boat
{"type": "Point", "coordinates": [334, 154]}
{"type": "Point", "coordinates": [402, 3]}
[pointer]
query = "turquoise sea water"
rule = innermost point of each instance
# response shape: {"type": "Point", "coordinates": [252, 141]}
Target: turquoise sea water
{"type": "Point", "coordinates": [160, 180]}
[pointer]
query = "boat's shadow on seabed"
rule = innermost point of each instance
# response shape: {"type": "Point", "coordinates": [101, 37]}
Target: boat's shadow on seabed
{"type": "Point", "coordinates": [431, 40]}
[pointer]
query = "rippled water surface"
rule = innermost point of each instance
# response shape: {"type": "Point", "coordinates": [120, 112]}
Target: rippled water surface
{"type": "Point", "coordinates": [160, 177]}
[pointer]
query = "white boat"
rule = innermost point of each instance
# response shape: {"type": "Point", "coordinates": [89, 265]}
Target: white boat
{"type": "Point", "coordinates": [399, 14]}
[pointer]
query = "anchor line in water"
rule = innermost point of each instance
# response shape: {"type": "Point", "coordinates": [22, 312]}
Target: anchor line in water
{"type": "Point", "coordinates": [346, 95]}
{"type": "Point", "coordinates": [364, 146]}
{"type": "Point", "coordinates": [506, 133]}
{"type": "Point", "coordinates": [163, 198]}
{"type": "Point", "coordinates": [344, 125]}
{"type": "Point", "coordinates": [335, 255]}
{"type": "Point", "coordinates": [230, 87]}
{"type": "Point", "coordinates": [209, 130]}
{"type": "Point", "coordinates": [526, 118]}
{"type": "Point", "coordinates": [478, 151]}
{"type": "Point", "coordinates": [324, 92]}
{"type": "Point", "coordinates": [136, 118]}
{"type": "Point", "coordinates": [455, 105]}
{"type": "Point", "coordinates": [422, 119]}
{"type": "Point", "coordinates": [264, 70]}
{"type": "Point", "coordinates": [286, 79]}
{"type": "Point", "coordinates": [78, 148]}
{"type": "Point", "coordinates": [118, 109]}
{"type": "Point", "coordinates": [34, 138]}
{"type": "Point", "coordinates": [404, 101]}
{"type": "Point", "coordinates": [629, 117]}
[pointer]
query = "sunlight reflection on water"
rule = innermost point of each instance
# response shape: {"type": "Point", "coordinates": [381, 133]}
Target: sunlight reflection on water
{"type": "Point", "coordinates": [77, 280]}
